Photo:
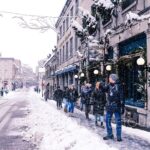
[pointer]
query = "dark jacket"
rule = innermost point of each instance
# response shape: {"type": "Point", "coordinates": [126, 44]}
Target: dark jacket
{"type": "Point", "coordinates": [72, 95]}
{"type": "Point", "coordinates": [99, 101]}
{"type": "Point", "coordinates": [58, 94]}
{"type": "Point", "coordinates": [86, 94]}
{"type": "Point", "coordinates": [66, 94]}
{"type": "Point", "coordinates": [115, 98]}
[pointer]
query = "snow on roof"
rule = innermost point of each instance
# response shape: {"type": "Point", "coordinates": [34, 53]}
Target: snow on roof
{"type": "Point", "coordinates": [48, 60]}
{"type": "Point", "coordinates": [104, 3]}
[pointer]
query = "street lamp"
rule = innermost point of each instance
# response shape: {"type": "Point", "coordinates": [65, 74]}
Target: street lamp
{"type": "Point", "coordinates": [96, 72]}
{"type": "Point", "coordinates": [76, 76]}
{"type": "Point", "coordinates": [108, 68]}
{"type": "Point", "coordinates": [82, 75]}
{"type": "Point", "coordinates": [140, 61]}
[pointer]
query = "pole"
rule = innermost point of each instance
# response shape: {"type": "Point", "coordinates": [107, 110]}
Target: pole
{"type": "Point", "coordinates": [87, 61]}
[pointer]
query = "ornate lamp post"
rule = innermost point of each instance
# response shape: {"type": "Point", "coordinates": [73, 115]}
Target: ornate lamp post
{"type": "Point", "coordinates": [96, 72]}
{"type": "Point", "coordinates": [108, 69]}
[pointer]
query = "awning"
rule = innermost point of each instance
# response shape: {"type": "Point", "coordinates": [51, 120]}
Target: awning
{"type": "Point", "coordinates": [67, 69]}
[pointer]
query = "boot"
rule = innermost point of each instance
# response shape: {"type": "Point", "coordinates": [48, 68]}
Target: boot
{"type": "Point", "coordinates": [108, 137]}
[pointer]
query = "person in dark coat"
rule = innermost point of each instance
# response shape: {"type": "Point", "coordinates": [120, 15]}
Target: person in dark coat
{"type": "Point", "coordinates": [72, 98]}
{"type": "Point", "coordinates": [86, 94]}
{"type": "Point", "coordinates": [46, 93]}
{"type": "Point", "coordinates": [65, 98]}
{"type": "Point", "coordinates": [2, 91]}
{"type": "Point", "coordinates": [99, 102]}
{"type": "Point", "coordinates": [114, 105]}
{"type": "Point", "coordinates": [58, 95]}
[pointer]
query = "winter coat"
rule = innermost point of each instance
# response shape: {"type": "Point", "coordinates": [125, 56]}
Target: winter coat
{"type": "Point", "coordinates": [99, 101]}
{"type": "Point", "coordinates": [72, 95]}
{"type": "Point", "coordinates": [115, 99]}
{"type": "Point", "coordinates": [86, 94]}
{"type": "Point", "coordinates": [58, 94]}
{"type": "Point", "coordinates": [66, 94]}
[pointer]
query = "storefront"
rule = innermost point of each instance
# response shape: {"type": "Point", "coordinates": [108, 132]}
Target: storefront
{"type": "Point", "coordinates": [133, 76]}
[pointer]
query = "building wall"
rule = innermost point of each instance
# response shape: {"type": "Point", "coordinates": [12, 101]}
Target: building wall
{"type": "Point", "coordinates": [7, 71]}
{"type": "Point", "coordinates": [66, 49]}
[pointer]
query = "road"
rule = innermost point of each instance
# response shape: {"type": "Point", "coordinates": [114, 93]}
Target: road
{"type": "Point", "coordinates": [13, 108]}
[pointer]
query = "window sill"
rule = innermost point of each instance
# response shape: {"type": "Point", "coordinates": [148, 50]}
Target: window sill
{"type": "Point", "coordinates": [129, 7]}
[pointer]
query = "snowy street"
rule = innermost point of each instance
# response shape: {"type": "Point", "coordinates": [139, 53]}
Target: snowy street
{"type": "Point", "coordinates": [29, 123]}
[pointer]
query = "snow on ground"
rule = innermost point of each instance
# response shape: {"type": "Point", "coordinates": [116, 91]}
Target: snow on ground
{"type": "Point", "coordinates": [54, 130]}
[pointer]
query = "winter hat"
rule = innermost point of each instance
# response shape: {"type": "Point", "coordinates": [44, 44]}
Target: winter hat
{"type": "Point", "coordinates": [114, 77]}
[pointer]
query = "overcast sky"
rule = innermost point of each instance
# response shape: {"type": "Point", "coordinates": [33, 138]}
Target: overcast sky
{"type": "Point", "coordinates": [27, 45]}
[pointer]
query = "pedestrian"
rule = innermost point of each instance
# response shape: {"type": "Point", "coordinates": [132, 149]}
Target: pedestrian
{"type": "Point", "coordinates": [58, 95]}
{"type": "Point", "coordinates": [114, 105]}
{"type": "Point", "coordinates": [82, 101]}
{"type": "Point", "coordinates": [46, 92]}
{"type": "Point", "coordinates": [2, 91]}
{"type": "Point", "coordinates": [99, 101]}
{"type": "Point", "coordinates": [65, 98]}
{"type": "Point", "coordinates": [86, 94]}
{"type": "Point", "coordinates": [73, 95]}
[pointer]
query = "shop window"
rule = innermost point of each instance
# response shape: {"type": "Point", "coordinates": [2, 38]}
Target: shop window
{"type": "Point", "coordinates": [126, 3]}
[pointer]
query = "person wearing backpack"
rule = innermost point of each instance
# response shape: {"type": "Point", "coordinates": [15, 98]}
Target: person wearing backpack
{"type": "Point", "coordinates": [114, 105]}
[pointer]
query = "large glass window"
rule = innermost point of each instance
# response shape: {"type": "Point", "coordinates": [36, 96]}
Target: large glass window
{"type": "Point", "coordinates": [67, 22]}
{"type": "Point", "coordinates": [131, 75]}
{"type": "Point", "coordinates": [60, 31]}
{"type": "Point", "coordinates": [67, 51]}
{"type": "Point", "coordinates": [71, 13]}
{"type": "Point", "coordinates": [64, 27]}
{"type": "Point", "coordinates": [71, 47]}
{"type": "Point", "coordinates": [127, 3]}
{"type": "Point", "coordinates": [77, 5]}
{"type": "Point", "coordinates": [63, 55]}
{"type": "Point", "coordinates": [76, 43]}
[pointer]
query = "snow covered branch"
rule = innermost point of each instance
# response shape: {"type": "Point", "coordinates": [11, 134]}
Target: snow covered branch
{"type": "Point", "coordinates": [37, 23]}
{"type": "Point", "coordinates": [107, 4]}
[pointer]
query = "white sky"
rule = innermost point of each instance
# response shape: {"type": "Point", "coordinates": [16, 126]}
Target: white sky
{"type": "Point", "coordinates": [27, 45]}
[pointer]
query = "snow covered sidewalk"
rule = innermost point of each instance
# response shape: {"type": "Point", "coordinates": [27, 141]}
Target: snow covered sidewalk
{"type": "Point", "coordinates": [52, 129]}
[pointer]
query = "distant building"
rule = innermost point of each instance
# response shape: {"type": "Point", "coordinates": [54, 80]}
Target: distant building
{"type": "Point", "coordinates": [10, 69]}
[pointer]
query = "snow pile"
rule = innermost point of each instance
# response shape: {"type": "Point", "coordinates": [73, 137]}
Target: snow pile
{"type": "Point", "coordinates": [56, 131]}
{"type": "Point", "coordinates": [107, 4]}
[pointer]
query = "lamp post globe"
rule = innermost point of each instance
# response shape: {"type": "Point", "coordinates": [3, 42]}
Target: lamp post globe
{"type": "Point", "coordinates": [96, 72]}
{"type": "Point", "coordinates": [76, 76]}
{"type": "Point", "coordinates": [140, 61]}
{"type": "Point", "coordinates": [108, 68]}
{"type": "Point", "coordinates": [82, 75]}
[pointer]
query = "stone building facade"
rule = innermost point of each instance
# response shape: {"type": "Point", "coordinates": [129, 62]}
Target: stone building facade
{"type": "Point", "coordinates": [67, 45]}
{"type": "Point", "coordinates": [126, 45]}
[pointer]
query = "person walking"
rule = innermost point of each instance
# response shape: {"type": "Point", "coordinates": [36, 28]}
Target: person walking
{"type": "Point", "coordinates": [46, 92]}
{"type": "Point", "coordinates": [99, 101]}
{"type": "Point", "coordinates": [73, 95]}
{"type": "Point", "coordinates": [114, 105]}
{"type": "Point", "coordinates": [65, 98]}
{"type": "Point", "coordinates": [2, 91]}
{"type": "Point", "coordinates": [58, 95]}
{"type": "Point", "coordinates": [86, 94]}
